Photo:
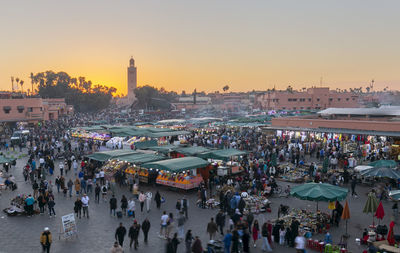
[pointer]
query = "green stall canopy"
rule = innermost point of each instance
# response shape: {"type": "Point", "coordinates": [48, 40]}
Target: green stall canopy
{"type": "Point", "coordinates": [222, 154]}
{"type": "Point", "coordinates": [107, 155]}
{"type": "Point", "coordinates": [140, 158]}
{"type": "Point", "coordinates": [165, 149]}
{"type": "Point", "coordinates": [192, 151]}
{"type": "Point", "coordinates": [178, 164]}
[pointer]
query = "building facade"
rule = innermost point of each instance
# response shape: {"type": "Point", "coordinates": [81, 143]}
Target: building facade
{"type": "Point", "coordinates": [314, 98]}
{"type": "Point", "coordinates": [33, 110]}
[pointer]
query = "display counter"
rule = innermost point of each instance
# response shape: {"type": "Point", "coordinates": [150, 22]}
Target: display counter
{"type": "Point", "coordinates": [183, 181]}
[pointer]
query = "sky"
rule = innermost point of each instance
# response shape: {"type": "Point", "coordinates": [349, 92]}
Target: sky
{"type": "Point", "coordinates": [207, 44]}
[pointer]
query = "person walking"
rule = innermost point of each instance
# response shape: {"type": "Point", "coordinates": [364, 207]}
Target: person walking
{"type": "Point", "coordinates": [149, 195]}
{"type": "Point", "coordinates": [50, 205]}
{"type": "Point", "coordinates": [157, 199]}
{"type": "Point", "coordinates": [145, 229]}
{"type": "Point", "coordinates": [197, 247]}
{"type": "Point", "coordinates": [97, 190]}
{"type": "Point", "coordinates": [212, 228]}
{"type": "Point", "coordinates": [220, 220]}
{"type": "Point", "coordinates": [175, 242]}
{"type": "Point", "coordinates": [113, 204]}
{"type": "Point", "coordinates": [227, 242]}
{"type": "Point", "coordinates": [264, 233]}
{"type": "Point", "coordinates": [77, 186]}
{"type": "Point", "coordinates": [255, 232]}
{"type": "Point", "coordinates": [104, 192]}
{"type": "Point", "coordinates": [120, 234]}
{"type": "Point", "coordinates": [181, 225]}
{"type": "Point", "coordinates": [57, 182]}
{"type": "Point", "coordinates": [300, 242]}
{"type": "Point", "coordinates": [70, 184]}
{"type": "Point", "coordinates": [131, 208]}
{"type": "Point", "coordinates": [185, 206]}
{"type": "Point", "coordinates": [163, 228]}
{"type": "Point", "coordinates": [178, 206]}
{"type": "Point", "coordinates": [41, 202]}
{"type": "Point", "coordinates": [78, 207]}
{"type": "Point", "coordinates": [170, 224]}
{"type": "Point", "coordinates": [188, 241]}
{"type": "Point", "coordinates": [134, 231]}
{"type": "Point", "coordinates": [124, 204]}
{"type": "Point", "coordinates": [142, 198]}
{"type": "Point", "coordinates": [46, 240]}
{"type": "Point", "coordinates": [353, 187]}
{"type": "Point", "coordinates": [85, 205]}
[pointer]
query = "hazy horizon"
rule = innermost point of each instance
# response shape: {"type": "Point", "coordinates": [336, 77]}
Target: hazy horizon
{"type": "Point", "coordinates": [183, 45]}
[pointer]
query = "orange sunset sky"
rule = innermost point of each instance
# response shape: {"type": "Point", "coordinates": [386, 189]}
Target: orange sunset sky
{"type": "Point", "coordinates": [183, 45]}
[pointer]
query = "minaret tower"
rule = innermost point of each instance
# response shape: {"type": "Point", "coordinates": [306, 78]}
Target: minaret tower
{"type": "Point", "coordinates": [132, 80]}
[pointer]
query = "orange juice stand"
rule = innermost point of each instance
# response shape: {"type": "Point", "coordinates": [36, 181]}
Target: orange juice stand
{"type": "Point", "coordinates": [182, 173]}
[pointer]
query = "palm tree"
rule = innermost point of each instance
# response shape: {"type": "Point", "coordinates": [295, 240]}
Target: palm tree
{"type": "Point", "coordinates": [32, 81]}
{"type": "Point", "coordinates": [22, 85]}
{"type": "Point", "coordinates": [225, 88]}
{"type": "Point", "coordinates": [17, 80]}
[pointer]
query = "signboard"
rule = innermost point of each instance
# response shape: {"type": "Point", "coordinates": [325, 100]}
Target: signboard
{"type": "Point", "coordinates": [69, 225]}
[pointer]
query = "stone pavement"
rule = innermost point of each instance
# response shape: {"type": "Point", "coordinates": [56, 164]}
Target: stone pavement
{"type": "Point", "coordinates": [21, 234]}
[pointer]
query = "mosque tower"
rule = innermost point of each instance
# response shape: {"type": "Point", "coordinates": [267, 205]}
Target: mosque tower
{"type": "Point", "coordinates": [132, 80]}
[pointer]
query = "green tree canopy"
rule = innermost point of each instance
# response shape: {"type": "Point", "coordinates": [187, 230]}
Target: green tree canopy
{"type": "Point", "coordinates": [78, 92]}
{"type": "Point", "coordinates": [149, 97]}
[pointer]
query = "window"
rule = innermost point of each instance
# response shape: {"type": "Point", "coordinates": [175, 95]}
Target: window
{"type": "Point", "coordinates": [317, 99]}
{"type": "Point", "coordinates": [6, 109]}
{"type": "Point", "coordinates": [20, 108]}
{"type": "Point", "coordinates": [331, 99]}
{"type": "Point", "coordinates": [309, 100]}
{"type": "Point", "coordinates": [308, 108]}
{"type": "Point", "coordinates": [283, 108]}
{"type": "Point", "coordinates": [347, 99]}
{"type": "Point", "coordinates": [294, 108]}
{"type": "Point", "coordinates": [30, 109]}
{"type": "Point", "coordinates": [302, 108]}
{"type": "Point", "coordinates": [302, 99]}
{"type": "Point", "coordinates": [338, 99]}
{"type": "Point", "coordinates": [292, 99]}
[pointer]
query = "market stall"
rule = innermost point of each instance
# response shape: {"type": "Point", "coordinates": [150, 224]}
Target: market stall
{"type": "Point", "coordinates": [226, 160]}
{"type": "Point", "coordinates": [17, 206]}
{"type": "Point", "coordinates": [179, 173]}
{"type": "Point", "coordinates": [108, 155]}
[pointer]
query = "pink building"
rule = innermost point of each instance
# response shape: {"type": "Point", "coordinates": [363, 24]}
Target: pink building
{"type": "Point", "coordinates": [312, 99]}
{"type": "Point", "coordinates": [32, 110]}
{"type": "Point", "coordinates": [371, 121]}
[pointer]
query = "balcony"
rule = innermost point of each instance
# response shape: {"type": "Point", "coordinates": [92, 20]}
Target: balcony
{"type": "Point", "coordinates": [34, 115]}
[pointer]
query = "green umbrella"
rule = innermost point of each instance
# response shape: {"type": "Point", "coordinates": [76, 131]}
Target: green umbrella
{"type": "Point", "coordinates": [371, 205]}
{"type": "Point", "coordinates": [381, 172]}
{"type": "Point", "coordinates": [4, 159]}
{"type": "Point", "coordinates": [384, 164]}
{"type": "Point", "coordinates": [319, 192]}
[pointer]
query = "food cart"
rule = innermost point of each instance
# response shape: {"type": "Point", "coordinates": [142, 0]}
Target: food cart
{"type": "Point", "coordinates": [181, 173]}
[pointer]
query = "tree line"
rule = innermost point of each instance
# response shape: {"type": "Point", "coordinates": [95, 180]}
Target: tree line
{"type": "Point", "coordinates": [79, 92]}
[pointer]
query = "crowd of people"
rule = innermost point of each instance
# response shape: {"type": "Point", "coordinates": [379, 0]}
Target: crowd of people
{"type": "Point", "coordinates": [78, 179]}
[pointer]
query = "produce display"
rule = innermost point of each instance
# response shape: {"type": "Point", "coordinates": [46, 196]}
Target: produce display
{"type": "Point", "coordinates": [181, 181]}
{"type": "Point", "coordinates": [91, 135]}
{"type": "Point", "coordinates": [314, 222]}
